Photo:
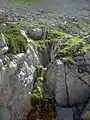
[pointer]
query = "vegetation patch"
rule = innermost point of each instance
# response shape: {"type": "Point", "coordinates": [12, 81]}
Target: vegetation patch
{"type": "Point", "coordinates": [16, 42]}
{"type": "Point", "coordinates": [72, 42]}
{"type": "Point", "coordinates": [86, 47]}
{"type": "Point", "coordinates": [40, 45]}
{"type": "Point", "coordinates": [37, 93]}
{"type": "Point", "coordinates": [56, 35]}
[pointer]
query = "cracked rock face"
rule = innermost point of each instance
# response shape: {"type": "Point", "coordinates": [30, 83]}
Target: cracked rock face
{"type": "Point", "coordinates": [16, 83]}
{"type": "Point", "coordinates": [70, 83]}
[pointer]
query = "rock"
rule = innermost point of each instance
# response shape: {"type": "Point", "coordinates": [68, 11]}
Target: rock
{"type": "Point", "coordinates": [32, 54]}
{"type": "Point", "coordinates": [3, 27]}
{"type": "Point", "coordinates": [64, 114]}
{"type": "Point", "coordinates": [41, 11]}
{"type": "Point", "coordinates": [16, 83]}
{"type": "Point", "coordinates": [3, 50]}
{"type": "Point", "coordinates": [16, 86]}
{"type": "Point", "coordinates": [1, 63]}
{"type": "Point", "coordinates": [2, 40]}
{"type": "Point", "coordinates": [74, 19]}
{"type": "Point", "coordinates": [6, 59]}
{"type": "Point", "coordinates": [2, 43]}
{"type": "Point", "coordinates": [88, 37]}
{"type": "Point", "coordinates": [35, 33]}
{"type": "Point", "coordinates": [69, 84]}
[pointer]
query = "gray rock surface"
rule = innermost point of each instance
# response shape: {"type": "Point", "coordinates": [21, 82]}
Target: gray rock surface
{"type": "Point", "coordinates": [67, 83]}
{"type": "Point", "coordinates": [16, 83]}
{"type": "Point", "coordinates": [35, 33]}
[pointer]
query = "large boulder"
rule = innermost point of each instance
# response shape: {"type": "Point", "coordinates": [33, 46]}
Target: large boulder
{"type": "Point", "coordinates": [16, 83]}
{"type": "Point", "coordinates": [69, 83]}
{"type": "Point", "coordinates": [37, 33]}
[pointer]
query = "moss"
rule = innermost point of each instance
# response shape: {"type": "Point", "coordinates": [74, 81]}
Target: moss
{"type": "Point", "coordinates": [37, 93]}
{"type": "Point", "coordinates": [86, 47]}
{"type": "Point", "coordinates": [56, 35]}
{"type": "Point", "coordinates": [16, 42]}
{"type": "Point", "coordinates": [72, 42]}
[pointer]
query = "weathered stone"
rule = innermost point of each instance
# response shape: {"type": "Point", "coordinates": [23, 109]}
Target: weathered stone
{"type": "Point", "coordinates": [2, 40]}
{"type": "Point", "coordinates": [35, 33]}
{"type": "Point", "coordinates": [55, 80]}
{"type": "Point", "coordinates": [2, 43]}
{"type": "Point", "coordinates": [1, 63]}
{"type": "Point", "coordinates": [16, 83]}
{"type": "Point", "coordinates": [70, 85]}
{"type": "Point", "coordinates": [64, 114]}
{"type": "Point", "coordinates": [3, 27]}
{"type": "Point", "coordinates": [3, 50]}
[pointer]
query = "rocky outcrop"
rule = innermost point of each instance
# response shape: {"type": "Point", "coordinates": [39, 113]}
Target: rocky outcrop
{"type": "Point", "coordinates": [16, 83]}
{"type": "Point", "coordinates": [36, 33]}
{"type": "Point", "coordinates": [67, 76]}
{"type": "Point", "coordinates": [69, 84]}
